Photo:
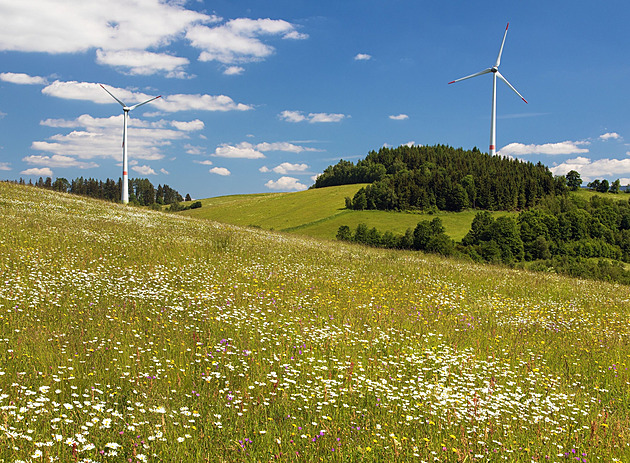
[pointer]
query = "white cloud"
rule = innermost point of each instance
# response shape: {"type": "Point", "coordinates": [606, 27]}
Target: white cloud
{"type": "Point", "coordinates": [242, 150]}
{"type": "Point", "coordinates": [264, 169]}
{"type": "Point", "coordinates": [36, 171]}
{"type": "Point", "coordinates": [144, 170]}
{"type": "Point", "coordinates": [295, 35]}
{"type": "Point", "coordinates": [298, 116]}
{"type": "Point", "coordinates": [411, 143]}
{"type": "Point", "coordinates": [5, 166]}
{"type": "Point", "coordinates": [89, 91]}
{"type": "Point", "coordinates": [233, 71]}
{"type": "Point", "coordinates": [92, 138]}
{"type": "Point", "coordinates": [283, 146]}
{"type": "Point", "coordinates": [362, 57]}
{"type": "Point", "coordinates": [70, 26]}
{"type": "Point", "coordinates": [188, 126]}
{"type": "Point", "coordinates": [144, 63]}
{"type": "Point", "coordinates": [183, 102]}
{"type": "Point", "coordinates": [292, 116]}
{"type": "Point", "coordinates": [164, 171]}
{"type": "Point", "coordinates": [59, 160]}
{"type": "Point", "coordinates": [399, 117]}
{"type": "Point", "coordinates": [220, 171]}
{"type": "Point", "coordinates": [206, 162]}
{"type": "Point", "coordinates": [591, 169]}
{"type": "Point", "coordinates": [610, 136]}
{"type": "Point", "coordinates": [325, 117]}
{"type": "Point", "coordinates": [316, 176]}
{"type": "Point", "coordinates": [22, 79]}
{"type": "Point", "coordinates": [239, 40]}
{"type": "Point", "coordinates": [287, 167]}
{"type": "Point", "coordinates": [194, 150]}
{"type": "Point", "coordinates": [565, 147]}
{"type": "Point", "coordinates": [286, 183]}
{"type": "Point", "coordinates": [128, 35]}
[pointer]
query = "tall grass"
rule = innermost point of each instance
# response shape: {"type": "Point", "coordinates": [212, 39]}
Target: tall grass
{"type": "Point", "coordinates": [131, 335]}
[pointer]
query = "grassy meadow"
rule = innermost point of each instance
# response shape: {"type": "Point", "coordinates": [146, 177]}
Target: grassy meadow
{"type": "Point", "coordinates": [133, 335]}
{"type": "Point", "coordinates": [319, 213]}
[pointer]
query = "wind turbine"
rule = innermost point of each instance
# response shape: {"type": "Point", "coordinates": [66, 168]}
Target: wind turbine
{"type": "Point", "coordinates": [495, 73]}
{"type": "Point", "coordinates": [125, 182]}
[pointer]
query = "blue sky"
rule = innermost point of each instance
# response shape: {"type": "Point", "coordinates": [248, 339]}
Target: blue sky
{"type": "Point", "coordinates": [262, 96]}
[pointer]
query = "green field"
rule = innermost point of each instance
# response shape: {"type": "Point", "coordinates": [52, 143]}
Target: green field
{"type": "Point", "coordinates": [139, 336]}
{"type": "Point", "coordinates": [319, 213]}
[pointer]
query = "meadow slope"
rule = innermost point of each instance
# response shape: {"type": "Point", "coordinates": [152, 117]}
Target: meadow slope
{"type": "Point", "coordinates": [320, 212]}
{"type": "Point", "coordinates": [133, 335]}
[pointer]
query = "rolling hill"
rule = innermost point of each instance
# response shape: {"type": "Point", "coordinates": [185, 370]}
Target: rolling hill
{"type": "Point", "coordinates": [133, 335]}
{"type": "Point", "coordinates": [319, 213]}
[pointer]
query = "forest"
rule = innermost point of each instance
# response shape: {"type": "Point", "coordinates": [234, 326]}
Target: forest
{"type": "Point", "coordinates": [141, 190]}
{"type": "Point", "coordinates": [444, 178]}
{"type": "Point", "coordinates": [564, 234]}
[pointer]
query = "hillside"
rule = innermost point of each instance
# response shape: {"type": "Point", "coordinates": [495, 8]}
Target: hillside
{"type": "Point", "coordinates": [128, 334]}
{"type": "Point", "coordinates": [318, 213]}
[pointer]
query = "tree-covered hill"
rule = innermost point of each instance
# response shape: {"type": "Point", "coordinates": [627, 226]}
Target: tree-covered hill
{"type": "Point", "coordinates": [444, 178]}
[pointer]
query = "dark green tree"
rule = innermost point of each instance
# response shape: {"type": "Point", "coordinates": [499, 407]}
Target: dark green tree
{"type": "Point", "coordinates": [574, 181]}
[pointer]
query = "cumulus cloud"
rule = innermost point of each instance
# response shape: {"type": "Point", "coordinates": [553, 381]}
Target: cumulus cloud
{"type": "Point", "coordinates": [248, 150]}
{"type": "Point", "coordinates": [610, 136]}
{"type": "Point", "coordinates": [89, 91]}
{"type": "Point", "coordinates": [70, 26]}
{"type": "Point", "coordinates": [292, 116]}
{"type": "Point", "coordinates": [565, 147]}
{"type": "Point", "coordinates": [233, 70]}
{"type": "Point", "coordinates": [242, 150]}
{"type": "Point", "coordinates": [206, 162]}
{"type": "Point", "coordinates": [299, 116]}
{"type": "Point", "coordinates": [591, 169]}
{"type": "Point", "coordinates": [194, 150]}
{"type": "Point", "coordinates": [220, 171]}
{"type": "Point", "coordinates": [286, 183]}
{"type": "Point", "coordinates": [283, 146]}
{"type": "Point", "coordinates": [399, 117]}
{"type": "Point", "coordinates": [362, 57]}
{"type": "Point", "coordinates": [87, 138]}
{"type": "Point", "coordinates": [129, 36]}
{"type": "Point", "coordinates": [144, 63]}
{"type": "Point", "coordinates": [58, 160]}
{"type": "Point", "coordinates": [22, 79]}
{"type": "Point", "coordinates": [188, 126]}
{"type": "Point", "coordinates": [239, 40]}
{"type": "Point", "coordinates": [144, 170]}
{"type": "Point", "coordinates": [38, 171]}
{"type": "Point", "coordinates": [285, 168]}
{"type": "Point", "coordinates": [5, 166]}
{"type": "Point", "coordinates": [164, 171]}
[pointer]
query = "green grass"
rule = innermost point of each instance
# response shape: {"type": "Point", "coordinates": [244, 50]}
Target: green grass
{"type": "Point", "coordinates": [587, 194]}
{"type": "Point", "coordinates": [133, 335]}
{"type": "Point", "coordinates": [319, 213]}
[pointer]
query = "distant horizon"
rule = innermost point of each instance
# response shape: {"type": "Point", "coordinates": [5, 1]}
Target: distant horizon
{"type": "Point", "coordinates": [262, 97]}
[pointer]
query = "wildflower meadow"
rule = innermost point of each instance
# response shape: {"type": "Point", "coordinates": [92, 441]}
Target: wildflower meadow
{"type": "Point", "coordinates": [133, 335]}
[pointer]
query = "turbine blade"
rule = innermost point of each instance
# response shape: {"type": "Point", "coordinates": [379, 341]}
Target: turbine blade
{"type": "Point", "coordinates": [501, 50]}
{"type": "Point", "coordinates": [485, 71]}
{"type": "Point", "coordinates": [510, 85]}
{"type": "Point", "coordinates": [144, 102]}
{"type": "Point", "coordinates": [112, 95]}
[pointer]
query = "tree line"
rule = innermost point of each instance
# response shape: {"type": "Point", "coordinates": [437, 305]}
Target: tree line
{"type": "Point", "coordinates": [565, 234]}
{"type": "Point", "coordinates": [141, 190]}
{"type": "Point", "coordinates": [441, 177]}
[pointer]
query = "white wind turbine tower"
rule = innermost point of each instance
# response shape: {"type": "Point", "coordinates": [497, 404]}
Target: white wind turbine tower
{"type": "Point", "coordinates": [495, 73]}
{"type": "Point", "coordinates": [125, 182]}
